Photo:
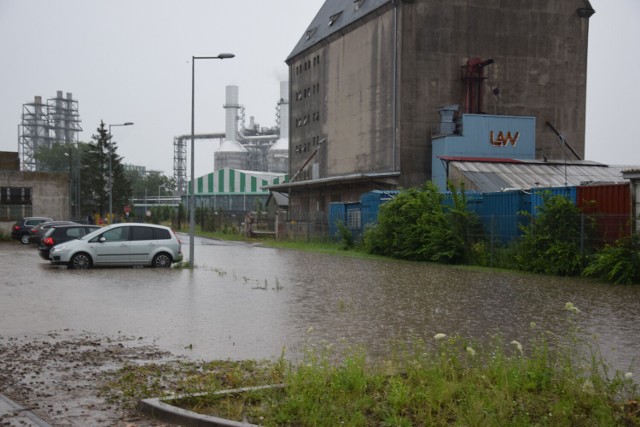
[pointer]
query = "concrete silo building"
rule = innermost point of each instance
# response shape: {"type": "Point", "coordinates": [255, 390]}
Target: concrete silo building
{"type": "Point", "coordinates": [368, 77]}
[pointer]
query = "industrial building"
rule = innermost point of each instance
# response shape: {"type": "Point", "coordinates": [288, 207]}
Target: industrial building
{"type": "Point", "coordinates": [241, 146]}
{"type": "Point", "coordinates": [374, 83]}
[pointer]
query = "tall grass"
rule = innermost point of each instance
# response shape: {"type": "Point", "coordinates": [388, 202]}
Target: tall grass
{"type": "Point", "coordinates": [446, 380]}
{"type": "Point", "coordinates": [454, 382]}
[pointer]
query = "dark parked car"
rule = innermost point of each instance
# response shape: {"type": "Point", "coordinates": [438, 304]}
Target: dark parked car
{"type": "Point", "coordinates": [20, 230]}
{"type": "Point", "coordinates": [60, 234]}
{"type": "Point", "coordinates": [38, 232]}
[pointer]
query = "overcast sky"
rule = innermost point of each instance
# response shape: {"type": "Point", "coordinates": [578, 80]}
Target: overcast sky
{"type": "Point", "coordinates": [129, 60]}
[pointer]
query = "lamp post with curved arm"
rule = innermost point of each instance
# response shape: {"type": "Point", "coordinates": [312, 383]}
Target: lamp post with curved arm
{"type": "Point", "coordinates": [192, 190]}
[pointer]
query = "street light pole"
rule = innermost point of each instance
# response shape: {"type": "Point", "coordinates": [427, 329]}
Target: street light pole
{"type": "Point", "coordinates": [110, 173]}
{"type": "Point", "coordinates": [192, 191]}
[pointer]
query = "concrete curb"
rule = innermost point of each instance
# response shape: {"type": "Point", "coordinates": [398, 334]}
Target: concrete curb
{"type": "Point", "coordinates": [157, 408]}
{"type": "Point", "coordinates": [11, 411]}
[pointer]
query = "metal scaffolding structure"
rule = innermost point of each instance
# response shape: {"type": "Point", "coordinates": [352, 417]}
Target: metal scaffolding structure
{"type": "Point", "coordinates": [56, 122]}
{"type": "Point", "coordinates": [180, 158]}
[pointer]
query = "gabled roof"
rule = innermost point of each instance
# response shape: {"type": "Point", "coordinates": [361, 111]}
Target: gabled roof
{"type": "Point", "coordinates": [334, 15]}
{"type": "Point", "coordinates": [489, 175]}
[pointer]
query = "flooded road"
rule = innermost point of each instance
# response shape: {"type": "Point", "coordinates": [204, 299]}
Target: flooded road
{"type": "Point", "coordinates": [246, 301]}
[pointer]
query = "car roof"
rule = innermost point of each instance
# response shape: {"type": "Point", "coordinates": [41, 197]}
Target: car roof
{"type": "Point", "coordinates": [132, 224]}
{"type": "Point", "coordinates": [76, 225]}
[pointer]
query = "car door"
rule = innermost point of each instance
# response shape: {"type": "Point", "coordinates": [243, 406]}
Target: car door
{"type": "Point", "coordinates": [142, 244]}
{"type": "Point", "coordinates": [112, 247]}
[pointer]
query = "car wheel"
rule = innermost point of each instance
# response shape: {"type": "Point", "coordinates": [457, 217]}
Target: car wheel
{"type": "Point", "coordinates": [80, 261]}
{"type": "Point", "coordinates": [24, 239]}
{"type": "Point", "coordinates": [162, 260]}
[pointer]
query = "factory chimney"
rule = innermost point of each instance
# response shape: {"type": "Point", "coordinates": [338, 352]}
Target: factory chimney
{"type": "Point", "coordinates": [231, 154]}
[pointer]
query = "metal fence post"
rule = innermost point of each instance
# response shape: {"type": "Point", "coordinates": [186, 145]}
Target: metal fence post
{"type": "Point", "coordinates": [582, 236]}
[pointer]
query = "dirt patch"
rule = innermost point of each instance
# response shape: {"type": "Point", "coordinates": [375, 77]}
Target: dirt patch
{"type": "Point", "coordinates": [58, 376]}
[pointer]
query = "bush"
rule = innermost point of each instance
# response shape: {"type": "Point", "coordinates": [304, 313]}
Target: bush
{"type": "Point", "coordinates": [619, 263]}
{"type": "Point", "coordinates": [553, 241]}
{"type": "Point", "coordinates": [345, 236]}
{"type": "Point", "coordinates": [415, 225]}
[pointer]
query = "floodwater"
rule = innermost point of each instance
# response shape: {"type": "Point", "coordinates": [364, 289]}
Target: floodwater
{"type": "Point", "coordinates": [247, 301]}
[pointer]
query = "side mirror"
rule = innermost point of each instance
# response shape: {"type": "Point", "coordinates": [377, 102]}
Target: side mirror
{"type": "Point", "coordinates": [102, 239]}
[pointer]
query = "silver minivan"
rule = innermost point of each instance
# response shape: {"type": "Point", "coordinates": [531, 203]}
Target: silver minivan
{"type": "Point", "coordinates": [121, 245]}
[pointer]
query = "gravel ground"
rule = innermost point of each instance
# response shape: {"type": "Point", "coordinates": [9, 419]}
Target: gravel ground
{"type": "Point", "coordinates": [58, 377]}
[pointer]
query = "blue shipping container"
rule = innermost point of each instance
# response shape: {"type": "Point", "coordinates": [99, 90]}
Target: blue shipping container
{"type": "Point", "coordinates": [538, 194]}
{"type": "Point", "coordinates": [371, 203]}
{"type": "Point", "coordinates": [348, 213]}
{"type": "Point", "coordinates": [502, 214]}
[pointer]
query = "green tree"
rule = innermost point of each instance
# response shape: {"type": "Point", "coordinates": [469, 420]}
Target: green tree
{"type": "Point", "coordinates": [56, 158]}
{"type": "Point", "coordinates": [95, 175]}
{"type": "Point", "coordinates": [65, 158]}
{"type": "Point", "coordinates": [151, 184]}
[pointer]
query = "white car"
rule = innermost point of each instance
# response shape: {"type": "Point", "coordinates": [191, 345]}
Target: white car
{"type": "Point", "coordinates": [120, 245]}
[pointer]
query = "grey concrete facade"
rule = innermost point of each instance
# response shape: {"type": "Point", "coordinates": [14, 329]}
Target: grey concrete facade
{"type": "Point", "coordinates": [48, 196]}
{"type": "Point", "coordinates": [365, 90]}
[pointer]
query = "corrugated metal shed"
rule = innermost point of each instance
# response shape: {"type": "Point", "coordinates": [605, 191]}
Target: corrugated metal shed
{"type": "Point", "coordinates": [334, 16]}
{"type": "Point", "coordinates": [489, 176]}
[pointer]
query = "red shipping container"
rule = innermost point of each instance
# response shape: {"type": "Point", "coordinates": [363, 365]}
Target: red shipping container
{"type": "Point", "coordinates": [610, 206]}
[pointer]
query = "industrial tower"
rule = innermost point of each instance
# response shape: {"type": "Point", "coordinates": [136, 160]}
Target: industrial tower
{"type": "Point", "coordinates": [56, 122]}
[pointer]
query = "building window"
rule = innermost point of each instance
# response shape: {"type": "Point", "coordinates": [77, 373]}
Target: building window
{"type": "Point", "coordinates": [354, 218]}
{"type": "Point", "coordinates": [333, 18]}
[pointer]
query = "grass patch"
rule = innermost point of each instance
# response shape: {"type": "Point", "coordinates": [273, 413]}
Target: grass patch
{"type": "Point", "coordinates": [315, 246]}
{"type": "Point", "coordinates": [550, 381]}
{"type": "Point", "coordinates": [226, 234]}
{"type": "Point", "coordinates": [322, 247]}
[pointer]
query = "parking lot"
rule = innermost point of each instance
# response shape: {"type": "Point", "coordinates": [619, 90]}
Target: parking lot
{"type": "Point", "coordinates": [61, 327]}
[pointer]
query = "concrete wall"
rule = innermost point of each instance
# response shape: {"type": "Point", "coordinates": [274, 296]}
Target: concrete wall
{"type": "Point", "coordinates": [49, 192]}
{"type": "Point", "coordinates": [346, 99]}
{"type": "Point", "coordinates": [540, 69]}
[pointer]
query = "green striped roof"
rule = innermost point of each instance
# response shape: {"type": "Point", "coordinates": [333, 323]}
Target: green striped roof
{"type": "Point", "coordinates": [229, 181]}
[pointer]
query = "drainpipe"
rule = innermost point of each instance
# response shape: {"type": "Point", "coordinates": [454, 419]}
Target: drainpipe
{"type": "Point", "coordinates": [395, 86]}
